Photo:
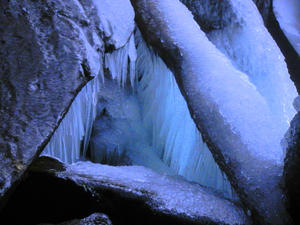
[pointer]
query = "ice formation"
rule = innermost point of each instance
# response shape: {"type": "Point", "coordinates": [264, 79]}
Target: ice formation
{"type": "Point", "coordinates": [172, 132]}
{"type": "Point", "coordinates": [251, 49]}
{"type": "Point", "coordinates": [233, 115]}
{"type": "Point", "coordinates": [287, 13]}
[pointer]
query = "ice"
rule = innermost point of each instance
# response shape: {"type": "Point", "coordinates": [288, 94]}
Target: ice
{"type": "Point", "coordinates": [119, 136]}
{"type": "Point", "coordinates": [172, 131]}
{"type": "Point", "coordinates": [117, 62]}
{"type": "Point", "coordinates": [116, 20]}
{"type": "Point", "coordinates": [233, 115]}
{"type": "Point", "coordinates": [252, 50]}
{"type": "Point", "coordinates": [220, 88]}
{"type": "Point", "coordinates": [170, 194]}
{"type": "Point", "coordinates": [287, 13]}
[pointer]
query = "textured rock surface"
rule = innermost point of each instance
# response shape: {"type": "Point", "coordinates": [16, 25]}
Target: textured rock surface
{"type": "Point", "coordinates": [94, 219]}
{"type": "Point", "coordinates": [48, 51]}
{"type": "Point", "coordinates": [43, 66]}
{"type": "Point", "coordinates": [127, 194]}
{"type": "Point", "coordinates": [292, 168]}
{"type": "Point", "coordinates": [256, 177]}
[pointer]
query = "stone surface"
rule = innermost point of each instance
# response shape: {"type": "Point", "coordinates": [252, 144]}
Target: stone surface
{"type": "Point", "coordinates": [127, 194]}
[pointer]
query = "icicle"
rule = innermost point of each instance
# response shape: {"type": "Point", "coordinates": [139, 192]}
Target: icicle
{"type": "Point", "coordinates": [168, 122]}
{"type": "Point", "coordinates": [117, 62]}
{"type": "Point", "coordinates": [75, 128]}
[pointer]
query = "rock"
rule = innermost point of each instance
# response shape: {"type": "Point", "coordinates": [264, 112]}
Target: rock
{"type": "Point", "coordinates": [127, 194]}
{"type": "Point", "coordinates": [94, 219]}
{"type": "Point", "coordinates": [49, 50]}
{"type": "Point", "coordinates": [253, 170]}
{"type": "Point", "coordinates": [43, 65]}
{"type": "Point", "coordinates": [292, 168]}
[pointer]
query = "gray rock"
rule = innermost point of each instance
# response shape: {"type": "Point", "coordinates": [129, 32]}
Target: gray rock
{"type": "Point", "coordinates": [48, 51]}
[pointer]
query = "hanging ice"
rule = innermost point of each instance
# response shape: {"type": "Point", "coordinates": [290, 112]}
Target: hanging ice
{"type": "Point", "coordinates": [287, 13]}
{"type": "Point", "coordinates": [173, 133]}
{"type": "Point", "coordinates": [73, 133]}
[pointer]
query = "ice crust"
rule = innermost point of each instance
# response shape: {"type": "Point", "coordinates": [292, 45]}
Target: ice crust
{"type": "Point", "coordinates": [170, 194]}
{"type": "Point", "coordinates": [287, 13]}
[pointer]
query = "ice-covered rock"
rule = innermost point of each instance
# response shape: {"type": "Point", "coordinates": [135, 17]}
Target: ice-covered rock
{"type": "Point", "coordinates": [287, 13]}
{"type": "Point", "coordinates": [244, 39]}
{"type": "Point", "coordinates": [232, 115]}
{"type": "Point", "coordinates": [137, 195]}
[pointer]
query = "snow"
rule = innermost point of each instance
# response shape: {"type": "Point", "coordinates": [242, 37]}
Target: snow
{"type": "Point", "coordinates": [222, 88]}
{"type": "Point", "coordinates": [287, 13]}
{"type": "Point", "coordinates": [171, 194]}
{"type": "Point", "coordinates": [251, 49]}
{"type": "Point", "coordinates": [116, 20]}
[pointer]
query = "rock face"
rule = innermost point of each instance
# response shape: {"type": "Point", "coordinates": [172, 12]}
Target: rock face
{"type": "Point", "coordinates": [292, 168]}
{"type": "Point", "coordinates": [49, 51]}
{"type": "Point", "coordinates": [253, 171]}
{"type": "Point", "coordinates": [127, 194]}
{"type": "Point", "coordinates": [43, 65]}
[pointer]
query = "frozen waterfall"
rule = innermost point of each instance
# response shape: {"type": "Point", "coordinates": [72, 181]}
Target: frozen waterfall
{"type": "Point", "coordinates": [173, 133]}
{"type": "Point", "coordinates": [143, 119]}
